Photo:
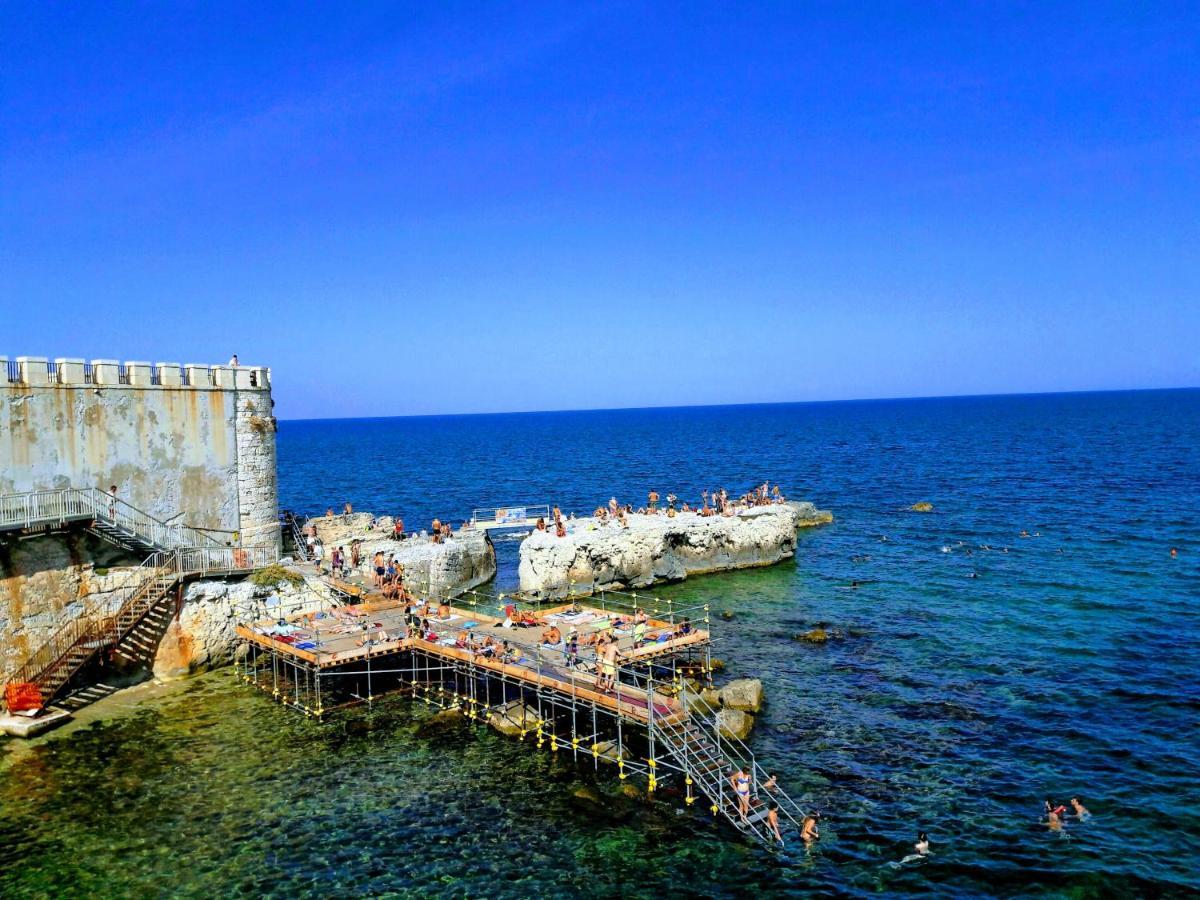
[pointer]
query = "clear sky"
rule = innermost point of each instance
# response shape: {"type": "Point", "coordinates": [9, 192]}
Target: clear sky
{"type": "Point", "coordinates": [434, 207]}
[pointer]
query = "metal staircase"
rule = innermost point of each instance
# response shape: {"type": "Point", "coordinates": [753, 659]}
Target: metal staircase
{"type": "Point", "coordinates": [72, 647]}
{"type": "Point", "coordinates": [707, 759]}
{"type": "Point", "coordinates": [293, 524]}
{"type": "Point", "coordinates": [107, 516]}
{"type": "Point", "coordinates": [178, 552]}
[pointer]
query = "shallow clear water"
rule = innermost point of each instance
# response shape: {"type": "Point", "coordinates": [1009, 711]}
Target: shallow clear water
{"type": "Point", "coordinates": [943, 702]}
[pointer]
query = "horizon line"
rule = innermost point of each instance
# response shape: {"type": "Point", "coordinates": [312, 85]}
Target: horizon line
{"type": "Point", "coordinates": [534, 412]}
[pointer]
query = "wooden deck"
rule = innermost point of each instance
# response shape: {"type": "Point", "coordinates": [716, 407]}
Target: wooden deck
{"type": "Point", "coordinates": [373, 630]}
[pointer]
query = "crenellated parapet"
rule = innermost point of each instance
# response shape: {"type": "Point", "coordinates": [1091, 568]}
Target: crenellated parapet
{"type": "Point", "coordinates": [40, 371]}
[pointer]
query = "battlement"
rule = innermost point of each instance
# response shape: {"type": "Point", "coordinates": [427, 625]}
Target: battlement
{"type": "Point", "coordinates": [39, 371]}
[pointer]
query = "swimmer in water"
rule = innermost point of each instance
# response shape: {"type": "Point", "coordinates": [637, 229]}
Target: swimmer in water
{"type": "Point", "coordinates": [922, 848]}
{"type": "Point", "coordinates": [808, 828]}
{"type": "Point", "coordinates": [1081, 812]}
{"type": "Point", "coordinates": [1053, 822]}
{"type": "Point", "coordinates": [1174, 553]}
{"type": "Point", "coordinates": [972, 574]}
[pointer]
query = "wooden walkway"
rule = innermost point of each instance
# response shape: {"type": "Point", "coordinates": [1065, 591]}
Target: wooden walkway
{"type": "Point", "coordinates": [356, 634]}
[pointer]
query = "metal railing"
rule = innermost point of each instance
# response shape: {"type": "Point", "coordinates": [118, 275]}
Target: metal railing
{"type": "Point", "coordinates": [97, 628]}
{"type": "Point", "coordinates": [516, 514]}
{"type": "Point", "coordinates": [14, 371]}
{"type": "Point", "coordinates": [703, 717]}
{"type": "Point", "coordinates": [39, 508]}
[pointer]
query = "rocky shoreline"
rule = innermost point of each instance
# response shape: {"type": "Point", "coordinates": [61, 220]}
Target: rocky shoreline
{"type": "Point", "coordinates": [656, 548]}
{"type": "Point", "coordinates": [465, 560]}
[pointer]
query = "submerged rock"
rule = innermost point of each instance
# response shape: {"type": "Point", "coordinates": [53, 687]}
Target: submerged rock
{"type": "Point", "coordinates": [734, 723]}
{"type": "Point", "coordinates": [743, 693]}
{"type": "Point", "coordinates": [441, 723]}
{"type": "Point", "coordinates": [514, 718]}
{"type": "Point", "coordinates": [655, 548]}
{"type": "Point", "coordinates": [591, 802]}
{"type": "Point", "coordinates": [814, 636]}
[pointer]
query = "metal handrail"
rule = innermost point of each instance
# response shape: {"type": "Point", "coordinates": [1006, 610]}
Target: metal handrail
{"type": "Point", "coordinates": [742, 754]}
{"type": "Point", "coordinates": [105, 628]}
{"type": "Point", "coordinates": [40, 507]}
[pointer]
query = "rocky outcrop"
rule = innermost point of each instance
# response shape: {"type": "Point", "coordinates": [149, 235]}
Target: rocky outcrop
{"type": "Point", "coordinates": [202, 636]}
{"type": "Point", "coordinates": [734, 723]}
{"type": "Point", "coordinates": [745, 694]}
{"type": "Point", "coordinates": [657, 548]}
{"type": "Point", "coordinates": [445, 569]}
{"type": "Point", "coordinates": [47, 581]}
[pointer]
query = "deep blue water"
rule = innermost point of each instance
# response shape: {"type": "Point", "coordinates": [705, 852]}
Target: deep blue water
{"type": "Point", "coordinates": [945, 703]}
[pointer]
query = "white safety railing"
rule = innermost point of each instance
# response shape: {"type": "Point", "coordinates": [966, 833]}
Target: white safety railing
{"type": "Point", "coordinates": [516, 514]}
{"type": "Point", "coordinates": [41, 508]}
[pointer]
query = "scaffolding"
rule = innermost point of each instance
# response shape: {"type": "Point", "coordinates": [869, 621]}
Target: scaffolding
{"type": "Point", "coordinates": [652, 723]}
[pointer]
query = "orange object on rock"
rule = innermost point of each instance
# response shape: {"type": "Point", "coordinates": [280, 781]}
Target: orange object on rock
{"type": "Point", "coordinates": [22, 696]}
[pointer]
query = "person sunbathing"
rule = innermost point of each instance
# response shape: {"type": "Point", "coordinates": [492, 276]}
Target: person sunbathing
{"type": "Point", "coordinates": [443, 612]}
{"type": "Point", "coordinates": [552, 636]}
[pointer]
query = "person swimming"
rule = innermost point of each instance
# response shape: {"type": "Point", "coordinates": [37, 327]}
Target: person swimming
{"type": "Point", "coordinates": [1081, 811]}
{"type": "Point", "coordinates": [922, 851]}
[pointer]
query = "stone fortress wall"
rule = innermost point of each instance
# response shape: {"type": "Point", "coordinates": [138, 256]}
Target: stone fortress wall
{"type": "Point", "coordinates": [193, 444]}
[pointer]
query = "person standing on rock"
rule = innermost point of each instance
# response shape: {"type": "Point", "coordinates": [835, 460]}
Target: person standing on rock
{"type": "Point", "coordinates": [652, 501]}
{"type": "Point", "coordinates": [319, 555]}
{"type": "Point", "coordinates": [379, 570]}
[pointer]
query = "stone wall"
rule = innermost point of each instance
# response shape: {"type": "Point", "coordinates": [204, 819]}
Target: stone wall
{"type": "Point", "coordinates": [194, 444]}
{"type": "Point", "coordinates": [657, 548]}
{"type": "Point", "coordinates": [45, 582]}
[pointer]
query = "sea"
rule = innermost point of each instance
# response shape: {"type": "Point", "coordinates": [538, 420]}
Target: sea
{"type": "Point", "coordinates": [1032, 637]}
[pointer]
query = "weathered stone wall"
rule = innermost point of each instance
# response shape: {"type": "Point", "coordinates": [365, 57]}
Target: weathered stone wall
{"type": "Point", "coordinates": [658, 548]}
{"type": "Point", "coordinates": [193, 444]}
{"type": "Point", "coordinates": [174, 449]}
{"type": "Point", "coordinates": [45, 582]}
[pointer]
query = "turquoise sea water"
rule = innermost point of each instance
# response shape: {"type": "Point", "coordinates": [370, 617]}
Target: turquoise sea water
{"type": "Point", "coordinates": [944, 702]}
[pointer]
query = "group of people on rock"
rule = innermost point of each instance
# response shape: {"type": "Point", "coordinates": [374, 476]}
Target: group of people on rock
{"type": "Point", "coordinates": [714, 503]}
{"type": "Point", "coordinates": [388, 573]}
{"type": "Point", "coordinates": [560, 523]}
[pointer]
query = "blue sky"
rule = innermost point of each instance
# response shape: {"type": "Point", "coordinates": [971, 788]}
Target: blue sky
{"type": "Point", "coordinates": [443, 207]}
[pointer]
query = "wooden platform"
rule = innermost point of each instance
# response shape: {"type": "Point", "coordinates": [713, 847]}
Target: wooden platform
{"type": "Point", "coordinates": [357, 634]}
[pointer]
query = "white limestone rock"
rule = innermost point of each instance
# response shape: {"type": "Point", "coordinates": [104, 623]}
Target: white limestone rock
{"type": "Point", "coordinates": [203, 635]}
{"type": "Point", "coordinates": [465, 560]}
{"type": "Point", "coordinates": [743, 693]}
{"type": "Point", "coordinates": [658, 548]}
{"type": "Point", "coordinates": [734, 723]}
